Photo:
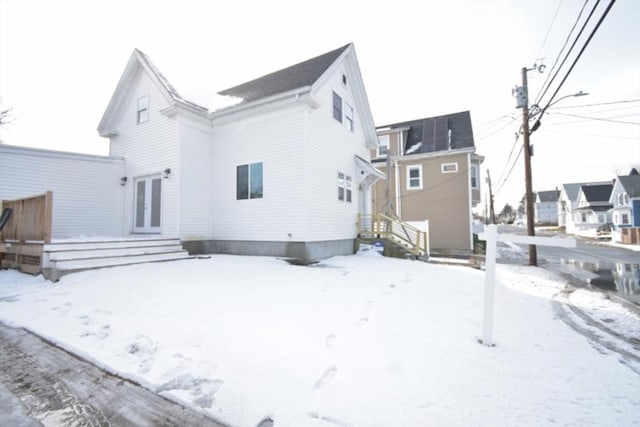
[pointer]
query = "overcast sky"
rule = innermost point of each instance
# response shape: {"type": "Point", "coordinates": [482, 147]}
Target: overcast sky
{"type": "Point", "coordinates": [60, 63]}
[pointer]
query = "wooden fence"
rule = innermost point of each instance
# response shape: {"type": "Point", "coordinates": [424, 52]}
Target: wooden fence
{"type": "Point", "coordinates": [25, 232]}
{"type": "Point", "coordinates": [630, 235]}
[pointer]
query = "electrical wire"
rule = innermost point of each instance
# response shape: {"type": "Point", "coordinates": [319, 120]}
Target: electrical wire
{"type": "Point", "coordinates": [547, 84]}
{"type": "Point", "coordinates": [503, 182]}
{"type": "Point", "coordinates": [598, 104]}
{"type": "Point", "coordinates": [544, 42]}
{"type": "Point", "coordinates": [597, 118]}
{"type": "Point", "coordinates": [575, 61]}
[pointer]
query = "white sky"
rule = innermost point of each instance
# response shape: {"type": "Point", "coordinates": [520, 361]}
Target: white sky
{"type": "Point", "coordinates": [61, 61]}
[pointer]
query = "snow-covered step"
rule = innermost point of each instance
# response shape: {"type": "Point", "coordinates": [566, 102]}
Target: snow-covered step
{"type": "Point", "coordinates": [90, 263]}
{"type": "Point", "coordinates": [77, 254]}
{"type": "Point", "coordinates": [108, 244]}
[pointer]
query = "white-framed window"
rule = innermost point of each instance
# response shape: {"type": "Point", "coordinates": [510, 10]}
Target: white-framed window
{"type": "Point", "coordinates": [249, 181]}
{"type": "Point", "coordinates": [337, 107]}
{"type": "Point", "coordinates": [625, 218]}
{"type": "Point", "coordinates": [142, 110]}
{"type": "Point", "coordinates": [414, 177]}
{"type": "Point", "coordinates": [383, 146]}
{"type": "Point", "coordinates": [449, 167]}
{"type": "Point", "coordinates": [473, 174]}
{"type": "Point", "coordinates": [348, 117]}
{"type": "Point", "coordinates": [344, 187]}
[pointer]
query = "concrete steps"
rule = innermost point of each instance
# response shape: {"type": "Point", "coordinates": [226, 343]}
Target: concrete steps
{"type": "Point", "coordinates": [63, 258]}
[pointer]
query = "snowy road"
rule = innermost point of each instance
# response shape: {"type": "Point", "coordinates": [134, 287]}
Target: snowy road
{"type": "Point", "coordinates": [59, 389]}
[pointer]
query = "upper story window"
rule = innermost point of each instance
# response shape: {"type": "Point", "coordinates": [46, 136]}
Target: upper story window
{"type": "Point", "coordinates": [249, 181]}
{"type": "Point", "coordinates": [142, 111]}
{"type": "Point", "coordinates": [337, 107]}
{"type": "Point", "coordinates": [383, 146]}
{"type": "Point", "coordinates": [348, 117]}
{"type": "Point", "coordinates": [623, 199]}
{"type": "Point", "coordinates": [449, 167]}
{"type": "Point", "coordinates": [473, 173]}
{"type": "Point", "coordinates": [344, 79]}
{"type": "Point", "coordinates": [344, 187]}
{"type": "Point", "coordinates": [414, 177]}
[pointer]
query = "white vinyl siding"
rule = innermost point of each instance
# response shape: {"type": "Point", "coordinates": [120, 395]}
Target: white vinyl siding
{"type": "Point", "coordinates": [275, 139]}
{"type": "Point", "coordinates": [142, 111]}
{"type": "Point", "coordinates": [87, 195]}
{"type": "Point", "coordinates": [149, 150]}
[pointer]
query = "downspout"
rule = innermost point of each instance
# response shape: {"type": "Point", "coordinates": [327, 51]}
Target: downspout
{"type": "Point", "coordinates": [470, 200]}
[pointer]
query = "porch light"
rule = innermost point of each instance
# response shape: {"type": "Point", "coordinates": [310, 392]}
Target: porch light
{"type": "Point", "coordinates": [123, 180]}
{"type": "Point", "coordinates": [167, 171]}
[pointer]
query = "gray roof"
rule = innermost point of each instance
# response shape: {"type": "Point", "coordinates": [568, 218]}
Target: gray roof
{"type": "Point", "coordinates": [597, 193]}
{"type": "Point", "coordinates": [441, 133]}
{"type": "Point", "coordinates": [573, 189]}
{"type": "Point", "coordinates": [296, 76]}
{"type": "Point", "coordinates": [631, 185]}
{"type": "Point", "coordinates": [548, 196]}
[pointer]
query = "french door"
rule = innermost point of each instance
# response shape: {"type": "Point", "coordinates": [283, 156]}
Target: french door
{"type": "Point", "coordinates": [148, 204]}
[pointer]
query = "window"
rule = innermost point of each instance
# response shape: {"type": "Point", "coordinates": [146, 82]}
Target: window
{"type": "Point", "coordinates": [344, 187]}
{"type": "Point", "coordinates": [249, 181]}
{"type": "Point", "coordinates": [337, 107]}
{"type": "Point", "coordinates": [383, 146]}
{"type": "Point", "coordinates": [449, 167]}
{"type": "Point", "coordinates": [344, 79]}
{"type": "Point", "coordinates": [414, 177]}
{"type": "Point", "coordinates": [142, 112]}
{"type": "Point", "coordinates": [473, 172]}
{"type": "Point", "coordinates": [348, 117]}
{"type": "Point", "coordinates": [625, 218]}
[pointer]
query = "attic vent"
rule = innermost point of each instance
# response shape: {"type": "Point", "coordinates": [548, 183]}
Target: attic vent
{"type": "Point", "coordinates": [344, 79]}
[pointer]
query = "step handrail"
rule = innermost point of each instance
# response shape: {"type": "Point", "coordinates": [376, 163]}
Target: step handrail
{"type": "Point", "coordinates": [414, 239]}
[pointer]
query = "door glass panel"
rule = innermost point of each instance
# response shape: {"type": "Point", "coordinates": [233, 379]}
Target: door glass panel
{"type": "Point", "coordinates": [155, 201]}
{"type": "Point", "coordinates": [140, 190]}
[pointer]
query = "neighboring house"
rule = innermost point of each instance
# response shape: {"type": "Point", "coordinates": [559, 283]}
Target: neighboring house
{"type": "Point", "coordinates": [546, 207]}
{"type": "Point", "coordinates": [592, 209]}
{"type": "Point", "coordinates": [433, 173]}
{"type": "Point", "coordinates": [568, 202]}
{"type": "Point", "coordinates": [625, 199]}
{"type": "Point", "coordinates": [285, 172]}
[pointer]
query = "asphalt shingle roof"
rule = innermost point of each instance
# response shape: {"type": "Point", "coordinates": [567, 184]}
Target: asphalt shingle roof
{"type": "Point", "coordinates": [631, 185]}
{"type": "Point", "coordinates": [597, 193]}
{"type": "Point", "coordinates": [441, 133]}
{"type": "Point", "coordinates": [548, 196]}
{"type": "Point", "coordinates": [296, 76]}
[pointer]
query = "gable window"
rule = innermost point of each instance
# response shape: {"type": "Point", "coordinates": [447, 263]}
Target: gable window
{"type": "Point", "coordinates": [473, 172]}
{"type": "Point", "coordinates": [348, 117]}
{"type": "Point", "coordinates": [383, 146]}
{"type": "Point", "coordinates": [449, 167]}
{"type": "Point", "coordinates": [337, 107]}
{"type": "Point", "coordinates": [249, 181]}
{"type": "Point", "coordinates": [344, 187]}
{"type": "Point", "coordinates": [414, 177]}
{"type": "Point", "coordinates": [344, 79]}
{"type": "Point", "coordinates": [142, 111]}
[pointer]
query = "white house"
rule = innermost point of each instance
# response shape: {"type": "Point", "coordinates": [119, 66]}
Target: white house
{"type": "Point", "coordinates": [592, 209]}
{"type": "Point", "coordinates": [546, 207]}
{"type": "Point", "coordinates": [283, 173]}
{"type": "Point", "coordinates": [625, 199]}
{"type": "Point", "coordinates": [568, 202]}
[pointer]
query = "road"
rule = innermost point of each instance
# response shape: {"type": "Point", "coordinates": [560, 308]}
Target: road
{"type": "Point", "coordinates": [41, 384]}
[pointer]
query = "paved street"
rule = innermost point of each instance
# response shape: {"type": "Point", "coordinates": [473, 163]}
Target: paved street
{"type": "Point", "coordinates": [41, 384]}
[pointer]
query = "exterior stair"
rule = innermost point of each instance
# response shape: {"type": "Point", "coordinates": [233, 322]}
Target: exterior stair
{"type": "Point", "coordinates": [63, 258]}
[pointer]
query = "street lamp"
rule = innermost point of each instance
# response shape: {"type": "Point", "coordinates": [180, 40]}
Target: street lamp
{"type": "Point", "coordinates": [537, 123]}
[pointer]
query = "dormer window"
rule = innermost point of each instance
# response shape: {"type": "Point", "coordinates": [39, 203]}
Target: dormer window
{"type": "Point", "coordinates": [142, 112]}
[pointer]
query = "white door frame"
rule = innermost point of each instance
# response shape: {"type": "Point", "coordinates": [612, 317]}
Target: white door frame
{"type": "Point", "coordinates": [147, 206]}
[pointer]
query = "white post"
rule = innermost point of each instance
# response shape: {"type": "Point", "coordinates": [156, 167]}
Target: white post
{"type": "Point", "coordinates": [489, 284]}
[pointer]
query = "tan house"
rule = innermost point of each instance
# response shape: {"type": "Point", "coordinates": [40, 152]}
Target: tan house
{"type": "Point", "coordinates": [433, 174]}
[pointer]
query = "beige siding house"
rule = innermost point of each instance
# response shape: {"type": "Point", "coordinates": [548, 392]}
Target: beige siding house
{"type": "Point", "coordinates": [432, 175]}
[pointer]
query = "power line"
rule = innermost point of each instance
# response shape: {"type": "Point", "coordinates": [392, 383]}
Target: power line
{"type": "Point", "coordinates": [599, 118]}
{"type": "Point", "coordinates": [598, 104]}
{"type": "Point", "coordinates": [506, 164]}
{"type": "Point", "coordinates": [575, 61]}
{"type": "Point", "coordinates": [504, 181]}
{"type": "Point", "coordinates": [496, 131]}
{"type": "Point", "coordinates": [545, 87]}
{"type": "Point", "coordinates": [630, 138]}
{"type": "Point", "coordinates": [544, 42]}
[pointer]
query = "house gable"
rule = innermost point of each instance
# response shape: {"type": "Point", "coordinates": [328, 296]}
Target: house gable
{"type": "Point", "coordinates": [140, 65]}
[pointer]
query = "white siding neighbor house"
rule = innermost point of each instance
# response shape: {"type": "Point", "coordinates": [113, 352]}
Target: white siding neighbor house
{"type": "Point", "coordinates": [285, 172]}
{"type": "Point", "coordinates": [546, 207]}
{"type": "Point", "coordinates": [625, 199]}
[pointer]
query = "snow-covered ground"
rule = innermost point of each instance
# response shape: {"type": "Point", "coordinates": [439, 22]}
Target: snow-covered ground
{"type": "Point", "coordinates": [354, 341]}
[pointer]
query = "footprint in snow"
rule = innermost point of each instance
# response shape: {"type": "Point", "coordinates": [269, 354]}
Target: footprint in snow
{"type": "Point", "coordinates": [144, 349]}
{"type": "Point", "coordinates": [326, 378]}
{"type": "Point", "coordinates": [330, 341]}
{"type": "Point", "coordinates": [62, 309]}
{"type": "Point", "coordinates": [202, 389]}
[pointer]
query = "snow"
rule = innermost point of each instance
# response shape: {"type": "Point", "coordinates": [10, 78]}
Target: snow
{"type": "Point", "coordinates": [353, 341]}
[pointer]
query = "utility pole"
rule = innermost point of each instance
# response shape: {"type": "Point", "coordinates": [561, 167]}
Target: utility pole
{"type": "Point", "coordinates": [492, 214]}
{"type": "Point", "coordinates": [533, 256]}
